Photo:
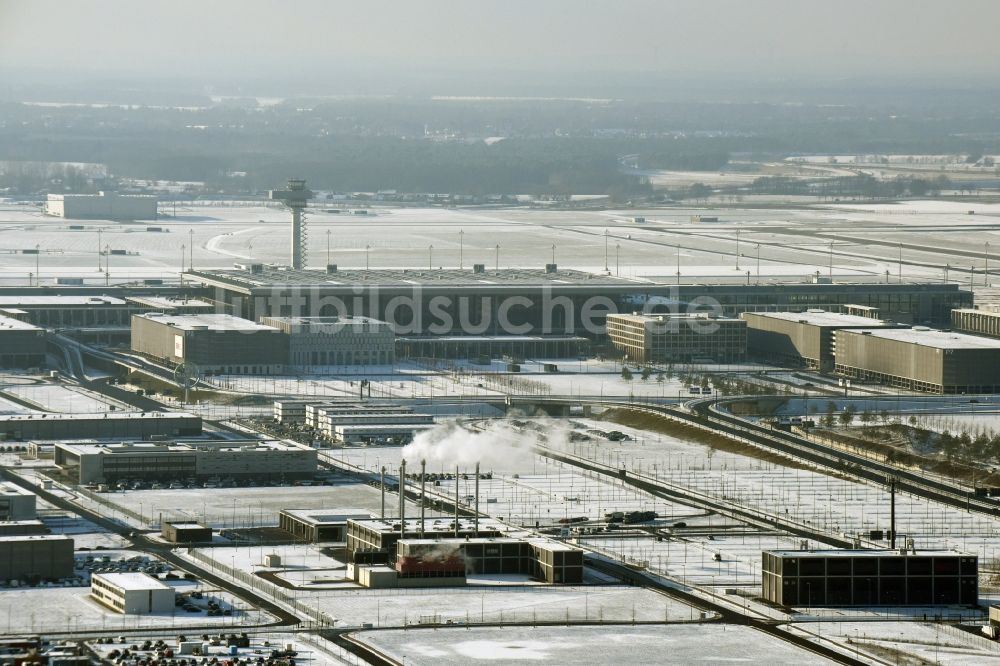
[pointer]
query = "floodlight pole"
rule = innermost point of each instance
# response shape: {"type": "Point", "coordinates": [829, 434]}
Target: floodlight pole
{"type": "Point", "coordinates": [606, 251]}
{"type": "Point", "coordinates": [461, 249]}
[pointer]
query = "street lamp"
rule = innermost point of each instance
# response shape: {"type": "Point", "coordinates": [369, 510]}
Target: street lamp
{"type": "Point", "coordinates": [430, 257]}
{"type": "Point", "coordinates": [758, 263]}
{"type": "Point", "coordinates": [737, 249]}
{"type": "Point", "coordinates": [461, 249]}
{"type": "Point", "coordinates": [99, 269]}
{"type": "Point", "coordinates": [618, 250]}
{"type": "Point", "coordinates": [327, 247]}
{"type": "Point", "coordinates": [190, 249]}
{"type": "Point", "coordinates": [38, 254]}
{"type": "Point", "coordinates": [986, 268]}
{"type": "Point", "coordinates": [606, 251]}
{"type": "Point", "coordinates": [498, 257]}
{"type": "Point", "coordinates": [367, 248]}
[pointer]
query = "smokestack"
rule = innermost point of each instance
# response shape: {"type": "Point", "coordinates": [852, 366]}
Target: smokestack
{"type": "Point", "coordinates": [402, 499]}
{"type": "Point", "coordinates": [456, 500]}
{"type": "Point", "coordinates": [423, 498]}
{"type": "Point", "coordinates": [477, 500]}
{"type": "Point", "coordinates": [381, 483]}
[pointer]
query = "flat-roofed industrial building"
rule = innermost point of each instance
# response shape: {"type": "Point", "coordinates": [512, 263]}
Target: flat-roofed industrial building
{"type": "Point", "coordinates": [186, 532]}
{"type": "Point", "coordinates": [132, 593]}
{"type": "Point", "coordinates": [45, 557]}
{"type": "Point", "coordinates": [211, 343]}
{"type": "Point", "coordinates": [374, 540]}
{"type": "Point", "coordinates": [16, 503]}
{"type": "Point", "coordinates": [106, 425]}
{"type": "Point", "coordinates": [102, 206]}
{"type": "Point", "coordinates": [801, 338]}
{"type": "Point", "coordinates": [104, 463]}
{"type": "Point", "coordinates": [318, 525]}
{"type": "Point", "coordinates": [335, 341]}
{"type": "Point", "coordinates": [22, 345]}
{"type": "Point", "coordinates": [920, 359]}
{"type": "Point", "coordinates": [678, 338]}
{"type": "Point", "coordinates": [869, 578]}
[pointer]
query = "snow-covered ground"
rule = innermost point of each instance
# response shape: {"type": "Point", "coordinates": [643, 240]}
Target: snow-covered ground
{"type": "Point", "coordinates": [675, 644]}
{"type": "Point", "coordinates": [399, 237]}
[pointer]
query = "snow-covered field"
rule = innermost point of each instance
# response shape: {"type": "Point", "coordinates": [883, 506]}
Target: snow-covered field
{"type": "Point", "coordinates": [399, 237]}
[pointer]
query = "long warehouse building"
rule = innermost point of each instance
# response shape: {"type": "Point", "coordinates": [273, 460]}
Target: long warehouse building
{"type": "Point", "coordinates": [920, 359]}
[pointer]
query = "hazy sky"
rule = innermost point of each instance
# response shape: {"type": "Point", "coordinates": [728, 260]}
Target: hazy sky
{"type": "Point", "coordinates": [724, 38]}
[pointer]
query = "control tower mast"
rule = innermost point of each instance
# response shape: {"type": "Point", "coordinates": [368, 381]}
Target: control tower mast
{"type": "Point", "coordinates": [297, 198]}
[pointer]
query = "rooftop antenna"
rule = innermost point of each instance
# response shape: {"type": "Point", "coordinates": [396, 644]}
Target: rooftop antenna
{"type": "Point", "coordinates": [296, 197]}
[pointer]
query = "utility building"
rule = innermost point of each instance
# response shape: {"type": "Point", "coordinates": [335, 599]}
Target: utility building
{"type": "Point", "coordinates": [869, 578]}
{"type": "Point", "coordinates": [801, 338]}
{"type": "Point", "coordinates": [326, 341]}
{"type": "Point", "coordinates": [920, 359]}
{"type": "Point", "coordinates": [211, 343]}
{"type": "Point", "coordinates": [101, 206]}
{"type": "Point", "coordinates": [670, 338]}
{"type": "Point", "coordinates": [979, 322]}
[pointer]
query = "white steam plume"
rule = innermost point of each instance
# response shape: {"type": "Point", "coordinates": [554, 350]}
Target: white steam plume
{"type": "Point", "coordinates": [497, 447]}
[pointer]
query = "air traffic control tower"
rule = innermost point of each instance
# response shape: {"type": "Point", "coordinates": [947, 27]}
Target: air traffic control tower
{"type": "Point", "coordinates": [297, 198]}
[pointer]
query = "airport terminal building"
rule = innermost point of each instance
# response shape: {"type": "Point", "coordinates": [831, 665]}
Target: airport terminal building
{"type": "Point", "coordinates": [549, 301]}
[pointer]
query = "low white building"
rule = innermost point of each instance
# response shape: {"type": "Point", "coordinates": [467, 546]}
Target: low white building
{"type": "Point", "coordinates": [132, 593]}
{"type": "Point", "coordinates": [101, 206]}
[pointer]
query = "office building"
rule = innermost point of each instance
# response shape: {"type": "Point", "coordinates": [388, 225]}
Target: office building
{"type": "Point", "coordinates": [869, 578]}
{"type": "Point", "coordinates": [132, 593]}
{"type": "Point", "coordinates": [16, 503]}
{"type": "Point", "coordinates": [22, 345]}
{"type": "Point", "coordinates": [920, 359]}
{"type": "Point", "coordinates": [318, 525]}
{"type": "Point", "coordinates": [335, 341]}
{"type": "Point", "coordinates": [105, 425]}
{"type": "Point", "coordinates": [801, 338]}
{"type": "Point", "coordinates": [101, 206]}
{"type": "Point", "coordinates": [211, 343]}
{"type": "Point", "coordinates": [668, 338]}
{"type": "Point", "coordinates": [42, 557]}
{"type": "Point", "coordinates": [168, 461]}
